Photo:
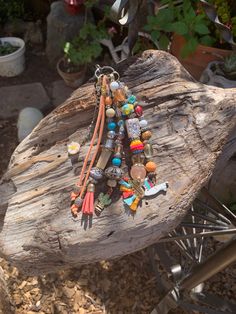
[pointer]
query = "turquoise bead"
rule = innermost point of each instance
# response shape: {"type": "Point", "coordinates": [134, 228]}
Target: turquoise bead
{"type": "Point", "coordinates": [116, 161]}
{"type": "Point", "coordinates": [132, 99]}
{"type": "Point", "coordinates": [111, 126]}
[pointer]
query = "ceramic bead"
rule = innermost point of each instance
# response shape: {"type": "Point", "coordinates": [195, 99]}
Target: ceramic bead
{"type": "Point", "coordinates": [127, 109]}
{"type": "Point", "coordinates": [146, 135]}
{"type": "Point", "coordinates": [114, 86]}
{"type": "Point", "coordinates": [110, 113]}
{"type": "Point", "coordinates": [111, 126]}
{"type": "Point", "coordinates": [108, 101]}
{"type": "Point", "coordinates": [136, 146]}
{"type": "Point", "coordinates": [151, 166]}
{"type": "Point", "coordinates": [138, 172]}
{"type": "Point", "coordinates": [133, 128]}
{"type": "Point", "coordinates": [132, 99]}
{"type": "Point", "coordinates": [116, 161]}
{"type": "Point", "coordinates": [138, 110]}
{"type": "Point", "coordinates": [96, 173]}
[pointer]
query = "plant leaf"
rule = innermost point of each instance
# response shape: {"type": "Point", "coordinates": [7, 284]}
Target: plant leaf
{"type": "Point", "coordinates": [180, 28]}
{"type": "Point", "coordinates": [201, 29]}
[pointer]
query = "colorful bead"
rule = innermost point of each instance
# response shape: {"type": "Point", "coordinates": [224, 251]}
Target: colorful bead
{"type": "Point", "coordinates": [108, 101]}
{"type": "Point", "coordinates": [143, 123]}
{"type": "Point", "coordinates": [110, 113]}
{"type": "Point", "coordinates": [119, 95]}
{"type": "Point", "coordinates": [114, 86]}
{"type": "Point", "coordinates": [136, 145]}
{"type": "Point", "coordinates": [127, 109]}
{"type": "Point", "coordinates": [96, 173]}
{"type": "Point", "coordinates": [138, 110]}
{"type": "Point", "coordinates": [151, 166]}
{"type": "Point", "coordinates": [133, 128]}
{"type": "Point", "coordinates": [111, 126]}
{"type": "Point", "coordinates": [121, 123]}
{"type": "Point", "coordinates": [146, 135]}
{"type": "Point", "coordinates": [116, 161]}
{"type": "Point", "coordinates": [132, 99]}
{"type": "Point", "coordinates": [138, 172]}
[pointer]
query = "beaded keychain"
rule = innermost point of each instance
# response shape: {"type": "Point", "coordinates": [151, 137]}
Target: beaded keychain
{"type": "Point", "coordinates": [123, 115]}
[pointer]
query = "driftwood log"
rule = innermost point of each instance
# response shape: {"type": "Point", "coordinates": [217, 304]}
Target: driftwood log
{"type": "Point", "coordinates": [190, 124]}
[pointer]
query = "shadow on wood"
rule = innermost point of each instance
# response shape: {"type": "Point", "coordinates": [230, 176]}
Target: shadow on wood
{"type": "Point", "coordinates": [190, 123]}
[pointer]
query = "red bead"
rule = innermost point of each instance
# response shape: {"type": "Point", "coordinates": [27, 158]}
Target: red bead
{"type": "Point", "coordinates": [138, 110]}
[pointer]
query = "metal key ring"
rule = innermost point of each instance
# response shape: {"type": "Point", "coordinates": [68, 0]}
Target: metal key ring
{"type": "Point", "coordinates": [106, 70]}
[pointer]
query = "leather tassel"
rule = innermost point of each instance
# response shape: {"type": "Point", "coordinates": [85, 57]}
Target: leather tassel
{"type": "Point", "coordinates": [88, 203]}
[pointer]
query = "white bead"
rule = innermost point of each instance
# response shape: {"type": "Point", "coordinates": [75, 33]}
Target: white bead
{"type": "Point", "coordinates": [114, 86]}
{"type": "Point", "coordinates": [143, 123]}
{"type": "Point", "coordinates": [110, 113]}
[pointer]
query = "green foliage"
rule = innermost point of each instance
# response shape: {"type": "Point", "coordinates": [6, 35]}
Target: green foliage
{"type": "Point", "coordinates": [85, 47]}
{"type": "Point", "coordinates": [7, 48]}
{"type": "Point", "coordinates": [11, 9]}
{"type": "Point", "coordinates": [183, 19]}
{"type": "Point", "coordinates": [229, 66]}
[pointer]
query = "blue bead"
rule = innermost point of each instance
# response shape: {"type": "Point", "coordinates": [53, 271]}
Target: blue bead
{"type": "Point", "coordinates": [132, 99]}
{"type": "Point", "coordinates": [116, 162]}
{"type": "Point", "coordinates": [111, 126]}
{"type": "Point", "coordinates": [121, 122]}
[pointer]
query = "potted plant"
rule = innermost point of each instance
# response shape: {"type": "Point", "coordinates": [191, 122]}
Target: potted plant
{"type": "Point", "coordinates": [195, 39]}
{"type": "Point", "coordinates": [12, 58]}
{"type": "Point", "coordinates": [80, 52]}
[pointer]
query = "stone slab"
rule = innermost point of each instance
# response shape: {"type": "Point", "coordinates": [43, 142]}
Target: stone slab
{"type": "Point", "coordinates": [60, 92]}
{"type": "Point", "coordinates": [16, 97]}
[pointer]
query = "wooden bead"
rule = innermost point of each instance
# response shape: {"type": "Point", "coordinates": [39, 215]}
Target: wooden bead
{"type": "Point", "coordinates": [151, 166]}
{"type": "Point", "coordinates": [146, 135]}
{"type": "Point", "coordinates": [108, 101]}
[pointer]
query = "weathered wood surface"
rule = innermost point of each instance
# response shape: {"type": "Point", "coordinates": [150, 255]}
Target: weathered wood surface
{"type": "Point", "coordinates": [190, 124]}
{"type": "Point", "coordinates": [6, 306]}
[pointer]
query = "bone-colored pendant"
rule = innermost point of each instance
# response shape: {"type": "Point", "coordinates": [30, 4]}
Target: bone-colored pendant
{"type": "Point", "coordinates": [156, 189]}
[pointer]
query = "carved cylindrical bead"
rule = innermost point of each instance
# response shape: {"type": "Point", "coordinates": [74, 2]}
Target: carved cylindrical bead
{"type": "Point", "coordinates": [148, 151]}
{"type": "Point", "coordinates": [104, 157]}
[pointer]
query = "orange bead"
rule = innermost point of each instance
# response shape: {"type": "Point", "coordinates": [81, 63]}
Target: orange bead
{"type": "Point", "coordinates": [119, 95]}
{"type": "Point", "coordinates": [146, 135]}
{"type": "Point", "coordinates": [108, 101]}
{"type": "Point", "coordinates": [151, 166]}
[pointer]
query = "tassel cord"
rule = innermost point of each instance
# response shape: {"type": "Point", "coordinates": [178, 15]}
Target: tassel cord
{"type": "Point", "coordinates": [92, 143]}
{"type": "Point", "coordinates": [100, 122]}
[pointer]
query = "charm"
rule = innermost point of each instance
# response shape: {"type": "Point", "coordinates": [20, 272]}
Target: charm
{"type": "Point", "coordinates": [151, 189]}
{"type": "Point", "coordinates": [103, 201]}
{"type": "Point", "coordinates": [73, 148]}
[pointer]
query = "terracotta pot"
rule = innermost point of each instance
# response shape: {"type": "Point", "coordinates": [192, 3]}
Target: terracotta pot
{"type": "Point", "coordinates": [198, 61]}
{"type": "Point", "coordinates": [73, 80]}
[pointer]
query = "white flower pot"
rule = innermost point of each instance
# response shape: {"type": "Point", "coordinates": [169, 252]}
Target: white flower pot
{"type": "Point", "coordinates": [14, 63]}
